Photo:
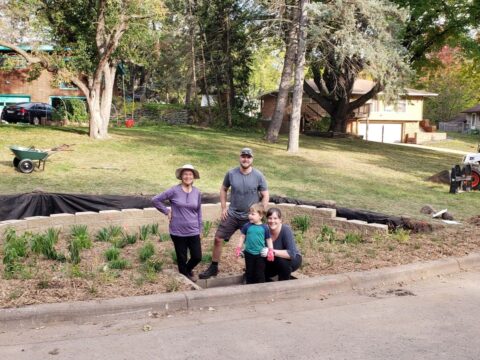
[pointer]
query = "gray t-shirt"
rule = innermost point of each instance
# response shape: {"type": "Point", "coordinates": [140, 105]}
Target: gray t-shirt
{"type": "Point", "coordinates": [245, 191]}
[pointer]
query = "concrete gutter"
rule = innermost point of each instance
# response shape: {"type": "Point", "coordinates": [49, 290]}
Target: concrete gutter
{"type": "Point", "coordinates": [164, 304]}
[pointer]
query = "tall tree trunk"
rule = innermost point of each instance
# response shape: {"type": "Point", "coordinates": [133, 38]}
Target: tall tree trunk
{"type": "Point", "coordinates": [205, 80]}
{"type": "Point", "coordinates": [229, 75]}
{"type": "Point", "coordinates": [284, 86]}
{"type": "Point", "coordinates": [294, 134]}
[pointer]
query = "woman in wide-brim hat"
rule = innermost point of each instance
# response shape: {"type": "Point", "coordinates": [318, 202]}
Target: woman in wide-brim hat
{"type": "Point", "coordinates": [185, 217]}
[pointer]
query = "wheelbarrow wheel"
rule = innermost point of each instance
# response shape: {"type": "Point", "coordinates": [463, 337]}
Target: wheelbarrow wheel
{"type": "Point", "coordinates": [25, 166]}
{"type": "Point", "coordinates": [16, 161]}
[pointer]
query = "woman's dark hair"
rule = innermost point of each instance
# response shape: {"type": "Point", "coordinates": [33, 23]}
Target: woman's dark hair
{"type": "Point", "coordinates": [274, 210]}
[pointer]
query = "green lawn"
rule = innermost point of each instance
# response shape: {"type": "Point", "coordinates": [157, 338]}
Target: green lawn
{"type": "Point", "coordinates": [354, 173]}
{"type": "Point", "coordinates": [456, 141]}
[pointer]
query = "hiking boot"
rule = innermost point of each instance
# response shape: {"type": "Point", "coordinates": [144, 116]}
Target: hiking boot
{"type": "Point", "coordinates": [211, 271]}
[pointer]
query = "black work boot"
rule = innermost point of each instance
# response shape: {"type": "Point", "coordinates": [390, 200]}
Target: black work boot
{"type": "Point", "coordinates": [211, 271]}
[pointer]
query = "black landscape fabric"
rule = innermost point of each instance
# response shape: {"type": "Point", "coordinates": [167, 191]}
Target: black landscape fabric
{"type": "Point", "coordinates": [20, 206]}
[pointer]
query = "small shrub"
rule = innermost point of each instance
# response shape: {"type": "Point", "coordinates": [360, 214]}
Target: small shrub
{"type": "Point", "coordinates": [146, 252]}
{"type": "Point", "coordinates": [119, 264]}
{"type": "Point", "coordinates": [155, 264]}
{"type": "Point", "coordinates": [103, 235]}
{"type": "Point", "coordinates": [207, 226]}
{"type": "Point", "coordinates": [301, 223]}
{"type": "Point", "coordinates": [112, 254]}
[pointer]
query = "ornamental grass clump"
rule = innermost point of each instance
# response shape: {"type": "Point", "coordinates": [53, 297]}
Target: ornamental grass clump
{"type": "Point", "coordinates": [207, 226]}
{"type": "Point", "coordinates": [103, 235]}
{"type": "Point", "coordinates": [80, 232]}
{"type": "Point", "coordinates": [45, 244]}
{"type": "Point", "coordinates": [144, 232]}
{"type": "Point", "coordinates": [79, 240]}
{"type": "Point", "coordinates": [14, 250]}
{"type": "Point", "coordinates": [301, 223]}
{"type": "Point", "coordinates": [112, 254]}
{"type": "Point", "coordinates": [146, 252]}
{"type": "Point", "coordinates": [119, 264]}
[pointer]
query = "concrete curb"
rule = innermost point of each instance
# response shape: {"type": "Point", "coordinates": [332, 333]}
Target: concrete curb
{"type": "Point", "coordinates": [317, 287]}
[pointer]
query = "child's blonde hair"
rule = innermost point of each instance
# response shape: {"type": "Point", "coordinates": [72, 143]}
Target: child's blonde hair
{"type": "Point", "coordinates": [258, 208]}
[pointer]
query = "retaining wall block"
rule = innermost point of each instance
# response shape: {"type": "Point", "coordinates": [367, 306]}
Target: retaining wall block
{"type": "Point", "coordinates": [87, 217]}
{"type": "Point", "coordinates": [63, 220]}
{"type": "Point", "coordinates": [109, 215]}
{"type": "Point", "coordinates": [211, 212]}
{"type": "Point", "coordinates": [327, 212]}
{"type": "Point", "coordinates": [132, 213]}
{"type": "Point", "coordinates": [35, 222]}
{"type": "Point", "coordinates": [380, 229]}
{"type": "Point", "coordinates": [153, 214]}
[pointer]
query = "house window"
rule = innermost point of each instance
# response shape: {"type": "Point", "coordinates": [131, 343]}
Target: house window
{"type": "Point", "coordinates": [474, 121]}
{"type": "Point", "coordinates": [375, 105]}
{"type": "Point", "coordinates": [397, 106]}
{"type": "Point", "coordinates": [9, 62]}
{"type": "Point", "coordinates": [67, 86]}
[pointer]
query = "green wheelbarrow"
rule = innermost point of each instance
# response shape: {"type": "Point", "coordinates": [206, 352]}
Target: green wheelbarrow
{"type": "Point", "coordinates": [26, 157]}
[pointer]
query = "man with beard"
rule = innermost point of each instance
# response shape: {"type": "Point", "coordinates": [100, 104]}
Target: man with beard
{"type": "Point", "coordinates": [248, 186]}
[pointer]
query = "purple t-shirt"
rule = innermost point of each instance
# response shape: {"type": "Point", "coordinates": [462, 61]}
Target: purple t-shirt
{"type": "Point", "coordinates": [186, 210]}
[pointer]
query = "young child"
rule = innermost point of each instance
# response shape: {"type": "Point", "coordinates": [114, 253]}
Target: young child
{"type": "Point", "coordinates": [255, 235]}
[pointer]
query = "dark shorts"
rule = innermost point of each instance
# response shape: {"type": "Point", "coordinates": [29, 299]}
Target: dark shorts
{"type": "Point", "coordinates": [228, 227]}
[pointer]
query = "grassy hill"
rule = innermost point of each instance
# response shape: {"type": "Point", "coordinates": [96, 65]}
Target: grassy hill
{"type": "Point", "coordinates": [354, 173]}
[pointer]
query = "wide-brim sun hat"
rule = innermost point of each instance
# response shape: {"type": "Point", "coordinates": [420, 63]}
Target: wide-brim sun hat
{"type": "Point", "coordinates": [178, 172]}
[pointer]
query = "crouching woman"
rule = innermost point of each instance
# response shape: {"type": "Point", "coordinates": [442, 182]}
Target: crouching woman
{"type": "Point", "coordinates": [287, 258]}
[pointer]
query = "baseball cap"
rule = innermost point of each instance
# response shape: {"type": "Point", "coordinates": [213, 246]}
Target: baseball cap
{"type": "Point", "coordinates": [246, 151]}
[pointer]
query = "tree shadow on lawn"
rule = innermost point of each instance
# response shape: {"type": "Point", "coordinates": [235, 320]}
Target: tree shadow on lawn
{"type": "Point", "coordinates": [394, 157]}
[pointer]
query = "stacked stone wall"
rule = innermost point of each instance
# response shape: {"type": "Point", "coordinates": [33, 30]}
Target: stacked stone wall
{"type": "Point", "coordinates": [132, 219]}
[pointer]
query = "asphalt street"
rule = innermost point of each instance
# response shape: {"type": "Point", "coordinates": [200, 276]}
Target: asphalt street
{"type": "Point", "coordinates": [432, 319]}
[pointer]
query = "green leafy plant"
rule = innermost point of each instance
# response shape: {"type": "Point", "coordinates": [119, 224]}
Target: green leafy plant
{"type": "Point", "coordinates": [401, 235]}
{"type": "Point", "coordinates": [154, 229]}
{"type": "Point", "coordinates": [207, 226]}
{"type": "Point", "coordinates": [121, 242]}
{"type": "Point", "coordinates": [45, 244]}
{"type": "Point", "coordinates": [80, 232]}
{"type": "Point", "coordinates": [112, 254]}
{"type": "Point", "coordinates": [79, 240]}
{"type": "Point", "coordinates": [103, 235]}
{"type": "Point", "coordinates": [164, 237]}
{"type": "Point", "coordinates": [327, 234]}
{"type": "Point", "coordinates": [129, 238]}
{"type": "Point", "coordinates": [301, 223]}
{"type": "Point", "coordinates": [353, 238]}
{"type": "Point", "coordinates": [206, 257]}
{"type": "Point", "coordinates": [146, 252]}
{"type": "Point", "coordinates": [144, 232]}
{"type": "Point", "coordinates": [14, 250]}
{"type": "Point", "coordinates": [119, 264]}
{"type": "Point", "coordinates": [115, 230]}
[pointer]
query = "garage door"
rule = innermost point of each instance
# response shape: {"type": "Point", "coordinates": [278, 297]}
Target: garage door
{"type": "Point", "coordinates": [12, 99]}
{"type": "Point", "coordinates": [387, 133]}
